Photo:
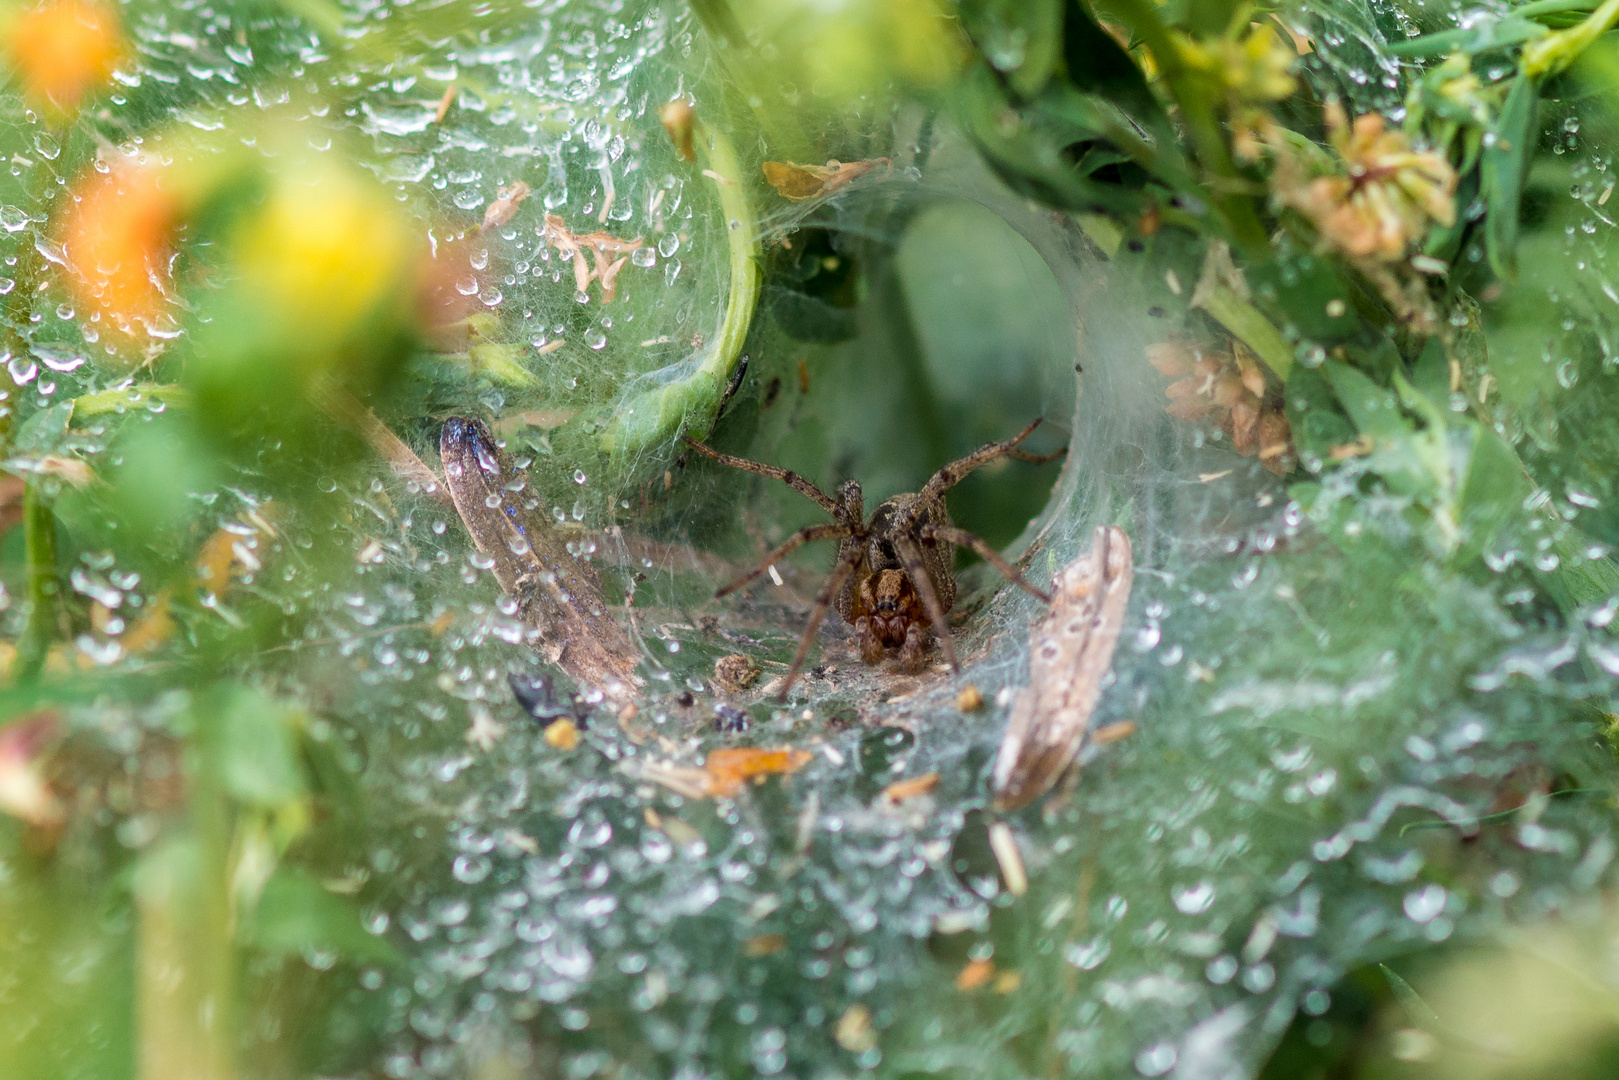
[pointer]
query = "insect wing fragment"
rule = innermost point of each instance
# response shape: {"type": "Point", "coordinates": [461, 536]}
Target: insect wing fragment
{"type": "Point", "coordinates": [1070, 651]}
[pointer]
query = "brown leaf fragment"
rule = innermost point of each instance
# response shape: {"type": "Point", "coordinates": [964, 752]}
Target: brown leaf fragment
{"type": "Point", "coordinates": [504, 208]}
{"type": "Point", "coordinates": [910, 788]}
{"type": "Point", "coordinates": [801, 182]}
{"type": "Point", "coordinates": [977, 973]}
{"type": "Point", "coordinates": [1070, 651]}
{"type": "Point", "coordinates": [729, 770]}
{"type": "Point", "coordinates": [971, 699]}
{"type": "Point", "coordinates": [558, 597]}
{"type": "Point", "coordinates": [11, 494]}
{"type": "Point", "coordinates": [1113, 733]}
{"type": "Point", "coordinates": [445, 102]}
{"type": "Point", "coordinates": [764, 945]}
{"type": "Point", "coordinates": [679, 119]}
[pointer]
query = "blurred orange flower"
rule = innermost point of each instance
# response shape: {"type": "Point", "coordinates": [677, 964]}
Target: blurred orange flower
{"type": "Point", "coordinates": [116, 236]}
{"type": "Point", "coordinates": [62, 50]}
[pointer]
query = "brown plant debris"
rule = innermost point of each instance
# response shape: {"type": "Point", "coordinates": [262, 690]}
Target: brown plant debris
{"type": "Point", "coordinates": [910, 788]}
{"type": "Point", "coordinates": [600, 244]}
{"type": "Point", "coordinates": [1070, 651]}
{"type": "Point", "coordinates": [735, 672]}
{"type": "Point", "coordinates": [558, 597]}
{"type": "Point", "coordinates": [800, 183]}
{"type": "Point", "coordinates": [679, 119]}
{"type": "Point", "coordinates": [728, 770]}
{"type": "Point", "coordinates": [1226, 383]}
{"type": "Point", "coordinates": [505, 205]}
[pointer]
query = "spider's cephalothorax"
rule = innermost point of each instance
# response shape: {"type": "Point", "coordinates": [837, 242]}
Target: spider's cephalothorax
{"type": "Point", "coordinates": [894, 577]}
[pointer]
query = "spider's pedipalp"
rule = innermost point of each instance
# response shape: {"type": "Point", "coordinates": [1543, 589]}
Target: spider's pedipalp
{"type": "Point", "coordinates": [793, 543]}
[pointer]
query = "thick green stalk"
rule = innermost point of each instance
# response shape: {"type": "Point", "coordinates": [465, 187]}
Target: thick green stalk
{"type": "Point", "coordinates": [691, 401]}
{"type": "Point", "coordinates": [1553, 53]}
{"type": "Point", "coordinates": [39, 543]}
{"type": "Point", "coordinates": [1250, 326]}
{"type": "Point", "coordinates": [1197, 113]}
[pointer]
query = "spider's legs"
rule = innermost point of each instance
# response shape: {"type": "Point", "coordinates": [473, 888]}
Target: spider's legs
{"type": "Point", "coordinates": [823, 604]}
{"type": "Point", "coordinates": [953, 473]}
{"type": "Point", "coordinates": [793, 543]}
{"type": "Point", "coordinates": [962, 538]}
{"type": "Point", "coordinates": [786, 476]}
{"type": "Point", "coordinates": [911, 559]}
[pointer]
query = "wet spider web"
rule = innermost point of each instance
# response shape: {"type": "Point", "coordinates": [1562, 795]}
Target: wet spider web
{"type": "Point", "coordinates": [1317, 729]}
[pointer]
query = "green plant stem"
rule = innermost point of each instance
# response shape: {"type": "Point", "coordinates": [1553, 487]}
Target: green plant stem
{"type": "Point", "coordinates": [691, 402]}
{"type": "Point", "coordinates": [1550, 7]}
{"type": "Point", "coordinates": [1553, 53]}
{"type": "Point", "coordinates": [1251, 326]}
{"type": "Point", "coordinates": [39, 543]}
{"type": "Point", "coordinates": [1196, 107]}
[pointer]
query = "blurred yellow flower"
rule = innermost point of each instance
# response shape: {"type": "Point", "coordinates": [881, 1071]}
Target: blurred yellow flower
{"type": "Point", "coordinates": [62, 50]}
{"type": "Point", "coordinates": [323, 256]}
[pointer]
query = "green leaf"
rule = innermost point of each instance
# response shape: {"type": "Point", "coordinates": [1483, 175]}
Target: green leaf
{"type": "Point", "coordinates": [1097, 62]}
{"type": "Point", "coordinates": [1375, 411]}
{"type": "Point", "coordinates": [803, 317]}
{"type": "Point", "coordinates": [1504, 167]}
{"type": "Point", "coordinates": [1418, 1011]}
{"type": "Point", "coordinates": [1022, 39]}
{"type": "Point", "coordinates": [1485, 36]}
{"type": "Point", "coordinates": [295, 913]}
{"type": "Point", "coordinates": [255, 749]}
{"type": "Point", "coordinates": [41, 432]}
{"type": "Point", "coordinates": [138, 396]}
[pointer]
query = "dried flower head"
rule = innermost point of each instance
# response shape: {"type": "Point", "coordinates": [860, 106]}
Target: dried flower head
{"type": "Point", "coordinates": [1226, 384]}
{"type": "Point", "coordinates": [1387, 197]}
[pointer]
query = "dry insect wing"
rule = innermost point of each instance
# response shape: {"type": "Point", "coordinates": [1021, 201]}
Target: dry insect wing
{"type": "Point", "coordinates": [799, 183]}
{"type": "Point", "coordinates": [1070, 651]}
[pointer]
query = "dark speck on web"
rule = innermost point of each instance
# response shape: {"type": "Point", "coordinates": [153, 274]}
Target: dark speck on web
{"type": "Point", "coordinates": [729, 721]}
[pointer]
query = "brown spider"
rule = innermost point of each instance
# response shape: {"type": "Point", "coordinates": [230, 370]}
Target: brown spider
{"type": "Point", "coordinates": [894, 574]}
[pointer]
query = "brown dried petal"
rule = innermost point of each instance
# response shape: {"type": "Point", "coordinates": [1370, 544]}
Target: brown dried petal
{"type": "Point", "coordinates": [1170, 358]}
{"type": "Point", "coordinates": [1244, 427]}
{"type": "Point", "coordinates": [1191, 409]}
{"type": "Point", "coordinates": [1276, 442]}
{"type": "Point", "coordinates": [1228, 390]}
